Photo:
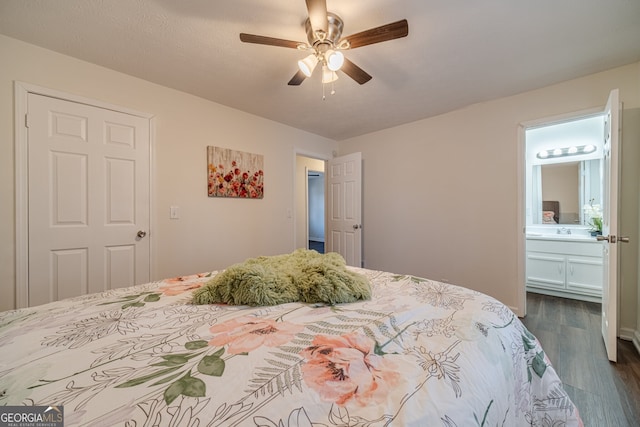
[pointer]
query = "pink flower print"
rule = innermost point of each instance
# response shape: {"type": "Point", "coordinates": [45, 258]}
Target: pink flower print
{"type": "Point", "coordinates": [248, 333]}
{"type": "Point", "coordinates": [180, 284]}
{"type": "Point", "coordinates": [345, 368]}
{"type": "Point", "coordinates": [179, 288]}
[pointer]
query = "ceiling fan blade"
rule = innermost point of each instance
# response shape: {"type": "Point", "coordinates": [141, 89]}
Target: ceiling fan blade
{"type": "Point", "coordinates": [297, 79]}
{"type": "Point", "coordinates": [355, 72]}
{"type": "Point", "coordinates": [270, 41]}
{"type": "Point", "coordinates": [395, 30]}
{"type": "Point", "coordinates": [318, 14]}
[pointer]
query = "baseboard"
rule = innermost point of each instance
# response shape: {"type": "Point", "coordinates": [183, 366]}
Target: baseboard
{"type": "Point", "coordinates": [517, 311]}
{"type": "Point", "coordinates": [628, 334]}
{"type": "Point", "coordinates": [636, 341]}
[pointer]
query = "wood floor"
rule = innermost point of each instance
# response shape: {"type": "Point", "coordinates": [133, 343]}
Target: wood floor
{"type": "Point", "coordinates": [316, 246]}
{"type": "Point", "coordinates": [606, 394]}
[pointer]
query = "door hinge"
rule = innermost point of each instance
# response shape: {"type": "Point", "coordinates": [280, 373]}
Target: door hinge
{"type": "Point", "coordinates": [26, 120]}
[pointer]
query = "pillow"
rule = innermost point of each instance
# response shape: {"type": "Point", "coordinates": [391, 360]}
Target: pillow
{"type": "Point", "coordinates": [547, 217]}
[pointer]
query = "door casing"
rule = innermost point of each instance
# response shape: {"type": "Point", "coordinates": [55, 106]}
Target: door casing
{"type": "Point", "coordinates": [21, 92]}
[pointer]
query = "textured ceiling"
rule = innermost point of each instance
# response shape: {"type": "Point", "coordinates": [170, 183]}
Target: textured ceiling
{"type": "Point", "coordinates": [457, 53]}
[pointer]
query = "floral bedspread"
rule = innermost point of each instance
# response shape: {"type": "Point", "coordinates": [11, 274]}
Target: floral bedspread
{"type": "Point", "coordinates": [419, 353]}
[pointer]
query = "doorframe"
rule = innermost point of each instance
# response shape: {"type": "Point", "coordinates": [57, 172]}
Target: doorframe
{"type": "Point", "coordinates": [311, 155]}
{"type": "Point", "coordinates": [522, 191]}
{"type": "Point", "coordinates": [21, 93]}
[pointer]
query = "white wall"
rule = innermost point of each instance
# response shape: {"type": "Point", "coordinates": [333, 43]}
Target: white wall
{"type": "Point", "coordinates": [211, 233]}
{"type": "Point", "coordinates": [441, 195]}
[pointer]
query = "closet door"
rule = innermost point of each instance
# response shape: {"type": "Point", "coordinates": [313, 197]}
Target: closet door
{"type": "Point", "coordinates": [88, 201]}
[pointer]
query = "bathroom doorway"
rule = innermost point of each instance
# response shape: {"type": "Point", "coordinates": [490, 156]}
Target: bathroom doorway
{"type": "Point", "coordinates": [563, 214]}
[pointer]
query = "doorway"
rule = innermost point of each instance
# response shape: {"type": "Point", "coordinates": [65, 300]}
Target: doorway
{"type": "Point", "coordinates": [86, 230]}
{"type": "Point", "coordinates": [564, 200]}
{"type": "Point", "coordinates": [570, 255]}
{"type": "Point", "coordinates": [309, 209]}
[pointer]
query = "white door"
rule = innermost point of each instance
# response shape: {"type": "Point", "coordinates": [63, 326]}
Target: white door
{"type": "Point", "coordinates": [610, 226]}
{"type": "Point", "coordinates": [344, 206]}
{"type": "Point", "coordinates": [88, 201]}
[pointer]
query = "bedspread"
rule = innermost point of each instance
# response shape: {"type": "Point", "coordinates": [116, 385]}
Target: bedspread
{"type": "Point", "coordinates": [419, 353]}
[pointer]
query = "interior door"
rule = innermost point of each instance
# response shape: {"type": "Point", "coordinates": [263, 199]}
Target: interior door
{"type": "Point", "coordinates": [610, 226]}
{"type": "Point", "coordinates": [344, 208]}
{"type": "Point", "coordinates": [88, 201]}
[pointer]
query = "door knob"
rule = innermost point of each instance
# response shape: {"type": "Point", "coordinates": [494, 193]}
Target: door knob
{"type": "Point", "coordinates": [141, 234]}
{"type": "Point", "coordinates": [613, 239]}
{"type": "Point", "coordinates": [356, 226]}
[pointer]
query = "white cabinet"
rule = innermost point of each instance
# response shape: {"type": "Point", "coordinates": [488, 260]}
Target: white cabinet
{"type": "Point", "coordinates": [565, 268]}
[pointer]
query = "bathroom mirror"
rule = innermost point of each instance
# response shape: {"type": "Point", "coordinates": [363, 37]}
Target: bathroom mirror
{"type": "Point", "coordinates": [562, 189]}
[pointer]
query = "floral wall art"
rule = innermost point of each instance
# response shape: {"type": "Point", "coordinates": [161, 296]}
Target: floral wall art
{"type": "Point", "coordinates": [234, 173]}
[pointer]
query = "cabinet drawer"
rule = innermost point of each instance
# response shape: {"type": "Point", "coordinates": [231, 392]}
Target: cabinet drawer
{"type": "Point", "coordinates": [588, 248]}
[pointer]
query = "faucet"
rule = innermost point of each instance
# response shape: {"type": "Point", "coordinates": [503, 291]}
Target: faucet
{"type": "Point", "coordinates": [563, 230]}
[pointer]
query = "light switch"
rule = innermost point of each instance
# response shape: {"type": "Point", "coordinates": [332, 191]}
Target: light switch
{"type": "Point", "coordinates": [174, 212]}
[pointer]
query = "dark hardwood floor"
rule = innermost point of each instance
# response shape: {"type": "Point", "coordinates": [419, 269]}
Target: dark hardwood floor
{"type": "Point", "coordinates": [606, 394]}
{"type": "Point", "coordinates": [317, 246]}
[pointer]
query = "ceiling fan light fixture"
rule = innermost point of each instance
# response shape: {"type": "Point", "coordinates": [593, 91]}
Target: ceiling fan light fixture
{"type": "Point", "coordinates": [308, 64]}
{"type": "Point", "coordinates": [334, 59]}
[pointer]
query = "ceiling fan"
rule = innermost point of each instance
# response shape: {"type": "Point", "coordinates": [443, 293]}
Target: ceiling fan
{"type": "Point", "coordinates": [325, 42]}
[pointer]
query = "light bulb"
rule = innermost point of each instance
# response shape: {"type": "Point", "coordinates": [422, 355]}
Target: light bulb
{"type": "Point", "coordinates": [308, 64]}
{"type": "Point", "coordinates": [334, 59]}
{"type": "Point", "coordinates": [328, 75]}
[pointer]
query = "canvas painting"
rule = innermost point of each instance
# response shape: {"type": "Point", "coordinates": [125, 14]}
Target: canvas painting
{"type": "Point", "coordinates": [234, 173]}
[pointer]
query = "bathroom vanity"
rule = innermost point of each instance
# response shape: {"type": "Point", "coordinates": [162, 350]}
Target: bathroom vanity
{"type": "Point", "coordinates": [565, 265]}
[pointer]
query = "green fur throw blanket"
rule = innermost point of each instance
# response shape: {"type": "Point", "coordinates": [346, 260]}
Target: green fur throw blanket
{"type": "Point", "coordinates": [303, 275]}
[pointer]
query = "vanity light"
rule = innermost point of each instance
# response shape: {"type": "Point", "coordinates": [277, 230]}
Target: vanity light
{"type": "Point", "coordinates": [567, 151]}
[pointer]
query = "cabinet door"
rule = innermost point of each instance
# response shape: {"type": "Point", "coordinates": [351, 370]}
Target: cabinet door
{"type": "Point", "coordinates": [584, 275]}
{"type": "Point", "coordinates": [545, 270]}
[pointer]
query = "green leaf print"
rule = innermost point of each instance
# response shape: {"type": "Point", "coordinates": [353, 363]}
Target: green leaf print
{"type": "Point", "coordinates": [152, 298]}
{"type": "Point", "coordinates": [186, 386]}
{"type": "Point", "coordinates": [196, 345]}
{"type": "Point", "coordinates": [528, 343]}
{"type": "Point", "coordinates": [174, 360]}
{"type": "Point", "coordinates": [538, 364]}
{"type": "Point", "coordinates": [145, 378]}
{"type": "Point", "coordinates": [211, 365]}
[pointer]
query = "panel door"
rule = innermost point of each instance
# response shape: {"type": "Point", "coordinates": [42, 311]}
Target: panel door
{"type": "Point", "coordinates": [610, 227]}
{"type": "Point", "coordinates": [344, 205]}
{"type": "Point", "coordinates": [88, 199]}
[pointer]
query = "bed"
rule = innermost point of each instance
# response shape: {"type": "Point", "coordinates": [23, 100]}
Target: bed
{"type": "Point", "coordinates": [418, 352]}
